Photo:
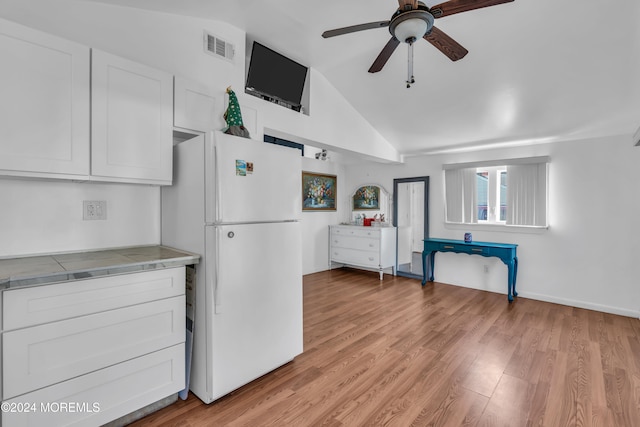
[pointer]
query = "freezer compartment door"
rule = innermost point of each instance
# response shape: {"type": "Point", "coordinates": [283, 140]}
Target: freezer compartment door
{"type": "Point", "coordinates": [254, 181]}
{"type": "Point", "coordinates": [257, 326]}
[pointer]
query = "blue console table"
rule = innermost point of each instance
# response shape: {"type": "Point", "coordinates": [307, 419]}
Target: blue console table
{"type": "Point", "coordinates": [505, 251]}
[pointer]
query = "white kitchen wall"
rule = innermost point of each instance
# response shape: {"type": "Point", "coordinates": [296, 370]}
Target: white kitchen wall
{"type": "Point", "coordinates": [588, 257]}
{"type": "Point", "coordinates": [40, 216]}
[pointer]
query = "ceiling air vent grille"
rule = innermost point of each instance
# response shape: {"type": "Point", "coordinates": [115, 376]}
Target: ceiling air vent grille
{"type": "Point", "coordinates": [217, 47]}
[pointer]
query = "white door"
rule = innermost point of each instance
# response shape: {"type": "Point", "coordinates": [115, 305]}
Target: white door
{"type": "Point", "coordinates": [257, 324]}
{"type": "Point", "coordinates": [255, 181]}
{"type": "Point", "coordinates": [44, 103]}
{"type": "Point", "coordinates": [132, 120]}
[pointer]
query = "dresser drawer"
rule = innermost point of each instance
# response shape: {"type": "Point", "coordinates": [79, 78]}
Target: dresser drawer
{"type": "Point", "coordinates": [370, 232]}
{"type": "Point", "coordinates": [355, 257]}
{"type": "Point", "coordinates": [48, 303]}
{"type": "Point", "coordinates": [360, 243]}
{"type": "Point", "coordinates": [106, 394]}
{"type": "Point", "coordinates": [43, 355]}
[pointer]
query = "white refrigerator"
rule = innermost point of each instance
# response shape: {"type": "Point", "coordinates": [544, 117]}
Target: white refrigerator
{"type": "Point", "coordinates": [237, 203]}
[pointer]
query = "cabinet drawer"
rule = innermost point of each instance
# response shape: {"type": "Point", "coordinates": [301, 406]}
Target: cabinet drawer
{"type": "Point", "coordinates": [356, 232]}
{"type": "Point", "coordinates": [49, 303]}
{"type": "Point", "coordinates": [43, 355]}
{"type": "Point", "coordinates": [117, 390]}
{"type": "Point", "coordinates": [355, 257]}
{"type": "Point", "coordinates": [359, 243]}
{"type": "Point", "coordinates": [461, 248]}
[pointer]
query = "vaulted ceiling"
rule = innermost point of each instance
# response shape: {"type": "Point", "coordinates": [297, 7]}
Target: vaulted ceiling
{"type": "Point", "coordinates": [537, 70]}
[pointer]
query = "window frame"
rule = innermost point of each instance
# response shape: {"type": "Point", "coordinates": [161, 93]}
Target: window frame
{"type": "Point", "coordinates": [494, 207]}
{"type": "Point", "coordinates": [541, 197]}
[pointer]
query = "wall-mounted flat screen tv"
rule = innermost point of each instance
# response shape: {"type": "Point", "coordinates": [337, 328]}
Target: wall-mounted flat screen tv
{"type": "Point", "coordinates": [275, 77]}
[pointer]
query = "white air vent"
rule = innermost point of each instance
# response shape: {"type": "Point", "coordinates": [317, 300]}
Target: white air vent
{"type": "Point", "coordinates": [217, 47]}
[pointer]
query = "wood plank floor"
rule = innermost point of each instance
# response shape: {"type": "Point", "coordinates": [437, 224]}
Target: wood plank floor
{"type": "Point", "coordinates": [392, 353]}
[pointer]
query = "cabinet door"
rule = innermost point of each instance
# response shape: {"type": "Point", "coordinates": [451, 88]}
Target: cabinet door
{"type": "Point", "coordinates": [44, 106]}
{"type": "Point", "coordinates": [132, 121]}
{"type": "Point", "coordinates": [196, 107]}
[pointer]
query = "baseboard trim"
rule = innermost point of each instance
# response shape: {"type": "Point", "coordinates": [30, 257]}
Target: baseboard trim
{"type": "Point", "coordinates": [581, 304]}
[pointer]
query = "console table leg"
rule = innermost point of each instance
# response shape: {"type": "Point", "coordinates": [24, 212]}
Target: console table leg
{"type": "Point", "coordinates": [424, 268]}
{"type": "Point", "coordinates": [515, 275]}
{"type": "Point", "coordinates": [381, 274]}
{"type": "Point", "coordinates": [432, 266]}
{"type": "Point", "coordinates": [511, 282]}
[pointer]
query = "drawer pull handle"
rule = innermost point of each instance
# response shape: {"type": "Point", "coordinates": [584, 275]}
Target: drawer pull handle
{"type": "Point", "coordinates": [370, 258]}
{"type": "Point", "coordinates": [476, 250]}
{"type": "Point", "coordinates": [449, 247]}
{"type": "Point", "coordinates": [371, 245]}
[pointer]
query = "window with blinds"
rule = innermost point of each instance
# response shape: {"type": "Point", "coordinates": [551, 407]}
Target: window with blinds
{"type": "Point", "coordinates": [504, 192]}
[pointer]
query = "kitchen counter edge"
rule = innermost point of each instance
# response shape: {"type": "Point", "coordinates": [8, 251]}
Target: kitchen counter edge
{"type": "Point", "coordinates": [65, 267]}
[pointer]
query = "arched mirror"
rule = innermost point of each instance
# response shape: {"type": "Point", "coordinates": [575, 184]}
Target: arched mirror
{"type": "Point", "coordinates": [370, 201]}
{"type": "Point", "coordinates": [411, 217]}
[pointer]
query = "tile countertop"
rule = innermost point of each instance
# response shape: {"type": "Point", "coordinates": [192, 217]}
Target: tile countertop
{"type": "Point", "coordinates": [41, 269]}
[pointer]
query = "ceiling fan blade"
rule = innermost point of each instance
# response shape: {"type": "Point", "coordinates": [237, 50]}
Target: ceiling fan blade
{"type": "Point", "coordinates": [452, 7]}
{"type": "Point", "coordinates": [408, 4]}
{"type": "Point", "coordinates": [445, 44]}
{"type": "Point", "coordinates": [354, 28]}
{"type": "Point", "coordinates": [384, 55]}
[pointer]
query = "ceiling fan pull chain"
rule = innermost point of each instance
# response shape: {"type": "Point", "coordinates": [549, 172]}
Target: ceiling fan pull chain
{"type": "Point", "coordinates": [410, 79]}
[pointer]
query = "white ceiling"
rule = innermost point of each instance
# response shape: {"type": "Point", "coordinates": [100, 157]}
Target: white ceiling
{"type": "Point", "coordinates": [537, 70]}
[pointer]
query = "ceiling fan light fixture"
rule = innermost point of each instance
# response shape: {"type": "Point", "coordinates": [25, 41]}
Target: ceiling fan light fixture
{"type": "Point", "coordinates": [410, 30]}
{"type": "Point", "coordinates": [411, 26]}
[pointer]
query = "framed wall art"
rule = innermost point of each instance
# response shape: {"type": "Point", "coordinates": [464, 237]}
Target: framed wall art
{"type": "Point", "coordinates": [319, 192]}
{"type": "Point", "coordinates": [366, 197]}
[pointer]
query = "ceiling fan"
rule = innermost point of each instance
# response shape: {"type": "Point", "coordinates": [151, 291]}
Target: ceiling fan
{"type": "Point", "coordinates": [412, 21]}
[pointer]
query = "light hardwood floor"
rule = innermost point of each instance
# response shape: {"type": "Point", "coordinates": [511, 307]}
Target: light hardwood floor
{"type": "Point", "coordinates": [393, 353]}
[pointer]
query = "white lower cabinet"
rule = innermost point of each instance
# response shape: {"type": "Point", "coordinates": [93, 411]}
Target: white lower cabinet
{"type": "Point", "coordinates": [367, 247]}
{"type": "Point", "coordinates": [97, 350]}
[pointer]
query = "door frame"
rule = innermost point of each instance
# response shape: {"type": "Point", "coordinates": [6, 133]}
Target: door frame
{"type": "Point", "coordinates": [396, 182]}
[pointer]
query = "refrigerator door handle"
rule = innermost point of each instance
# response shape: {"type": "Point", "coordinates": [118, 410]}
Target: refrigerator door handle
{"type": "Point", "coordinates": [218, 184]}
{"type": "Point", "coordinates": [217, 306]}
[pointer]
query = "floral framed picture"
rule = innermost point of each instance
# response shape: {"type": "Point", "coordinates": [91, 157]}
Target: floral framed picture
{"type": "Point", "coordinates": [366, 197]}
{"type": "Point", "coordinates": [319, 192]}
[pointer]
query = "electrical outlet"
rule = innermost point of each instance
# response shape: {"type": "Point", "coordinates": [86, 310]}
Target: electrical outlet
{"type": "Point", "coordinates": [94, 210]}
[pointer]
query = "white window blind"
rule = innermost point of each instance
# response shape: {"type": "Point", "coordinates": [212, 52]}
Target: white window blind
{"type": "Point", "coordinates": [527, 194]}
{"type": "Point", "coordinates": [461, 195]}
{"type": "Point", "coordinates": [526, 191]}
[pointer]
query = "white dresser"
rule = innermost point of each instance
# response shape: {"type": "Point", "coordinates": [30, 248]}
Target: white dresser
{"type": "Point", "coordinates": [366, 247]}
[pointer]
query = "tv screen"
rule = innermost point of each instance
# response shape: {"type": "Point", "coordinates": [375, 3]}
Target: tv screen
{"type": "Point", "coordinates": [275, 76]}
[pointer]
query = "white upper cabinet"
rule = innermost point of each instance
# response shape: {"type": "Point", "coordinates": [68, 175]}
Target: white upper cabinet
{"type": "Point", "coordinates": [195, 106]}
{"type": "Point", "coordinates": [132, 110]}
{"type": "Point", "coordinates": [44, 104]}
